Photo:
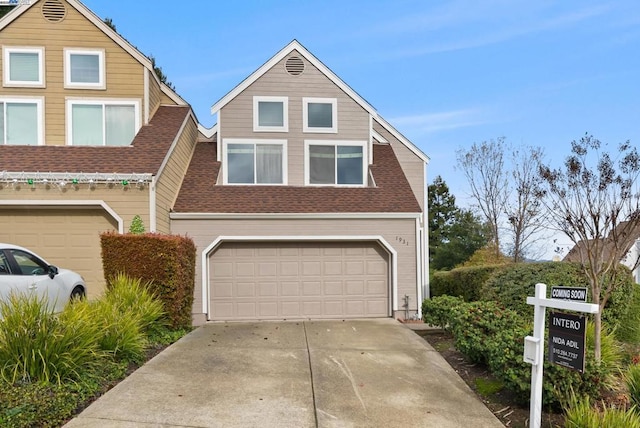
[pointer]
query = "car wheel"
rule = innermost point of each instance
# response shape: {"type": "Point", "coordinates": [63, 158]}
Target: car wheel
{"type": "Point", "coordinates": [77, 293]}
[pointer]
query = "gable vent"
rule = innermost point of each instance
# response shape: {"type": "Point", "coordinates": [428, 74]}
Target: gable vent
{"type": "Point", "coordinates": [294, 65]}
{"type": "Point", "coordinates": [53, 10]}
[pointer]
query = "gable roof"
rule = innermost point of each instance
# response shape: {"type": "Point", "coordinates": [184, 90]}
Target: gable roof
{"type": "Point", "coordinates": [297, 46]}
{"type": "Point", "coordinates": [112, 34]}
{"type": "Point", "coordinates": [200, 194]}
{"type": "Point", "coordinates": [608, 243]}
{"type": "Point", "coordinates": [146, 153]}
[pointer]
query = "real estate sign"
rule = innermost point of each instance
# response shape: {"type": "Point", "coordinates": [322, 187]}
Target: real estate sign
{"type": "Point", "coordinates": [567, 340]}
{"type": "Point", "coordinates": [576, 294]}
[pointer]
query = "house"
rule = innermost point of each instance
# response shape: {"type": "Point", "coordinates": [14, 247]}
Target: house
{"type": "Point", "coordinates": [628, 237]}
{"type": "Point", "coordinates": [303, 201]}
{"type": "Point", "coordinates": [89, 136]}
{"type": "Point", "coordinates": [307, 204]}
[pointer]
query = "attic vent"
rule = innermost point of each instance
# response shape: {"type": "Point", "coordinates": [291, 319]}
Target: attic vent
{"type": "Point", "coordinates": [53, 10]}
{"type": "Point", "coordinates": [294, 65]}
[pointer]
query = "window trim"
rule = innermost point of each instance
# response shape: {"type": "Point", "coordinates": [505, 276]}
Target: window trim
{"type": "Point", "coordinates": [285, 113]}
{"type": "Point", "coordinates": [70, 102]}
{"type": "Point", "coordinates": [335, 143]}
{"type": "Point", "coordinates": [100, 85]}
{"type": "Point", "coordinates": [254, 141]}
{"type": "Point", "coordinates": [6, 78]}
{"type": "Point", "coordinates": [39, 102]}
{"type": "Point", "coordinates": [334, 115]}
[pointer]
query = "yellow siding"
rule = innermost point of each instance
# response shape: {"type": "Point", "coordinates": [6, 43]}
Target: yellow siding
{"type": "Point", "coordinates": [170, 180]}
{"type": "Point", "coordinates": [399, 233]}
{"type": "Point", "coordinates": [125, 201]}
{"type": "Point", "coordinates": [124, 74]}
{"type": "Point", "coordinates": [155, 94]}
{"type": "Point", "coordinates": [236, 118]}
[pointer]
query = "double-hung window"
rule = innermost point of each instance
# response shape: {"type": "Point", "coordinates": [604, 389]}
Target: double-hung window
{"type": "Point", "coordinates": [335, 163]}
{"type": "Point", "coordinates": [320, 115]}
{"type": "Point", "coordinates": [21, 121]}
{"type": "Point", "coordinates": [102, 123]}
{"type": "Point", "coordinates": [270, 114]}
{"type": "Point", "coordinates": [84, 68]}
{"type": "Point", "coordinates": [255, 161]}
{"type": "Point", "coordinates": [23, 66]}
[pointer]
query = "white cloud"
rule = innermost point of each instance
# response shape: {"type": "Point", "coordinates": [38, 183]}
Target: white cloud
{"type": "Point", "coordinates": [440, 121]}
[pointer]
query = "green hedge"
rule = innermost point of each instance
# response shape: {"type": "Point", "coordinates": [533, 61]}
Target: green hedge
{"type": "Point", "coordinates": [488, 333]}
{"type": "Point", "coordinates": [511, 285]}
{"type": "Point", "coordinates": [465, 282]}
{"type": "Point", "coordinates": [166, 262]}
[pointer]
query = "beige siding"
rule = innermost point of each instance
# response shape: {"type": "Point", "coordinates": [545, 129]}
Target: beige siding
{"type": "Point", "coordinates": [414, 168]}
{"type": "Point", "coordinates": [237, 116]}
{"type": "Point", "coordinates": [399, 233]}
{"type": "Point", "coordinates": [166, 100]}
{"type": "Point", "coordinates": [125, 201]}
{"type": "Point", "coordinates": [170, 179]}
{"type": "Point", "coordinates": [124, 74]}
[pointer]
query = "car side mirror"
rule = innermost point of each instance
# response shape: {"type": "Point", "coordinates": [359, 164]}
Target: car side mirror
{"type": "Point", "coordinates": [53, 271]}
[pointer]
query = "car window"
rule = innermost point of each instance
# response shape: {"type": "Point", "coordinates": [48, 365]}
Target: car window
{"type": "Point", "coordinates": [4, 264]}
{"type": "Point", "coordinates": [28, 263]}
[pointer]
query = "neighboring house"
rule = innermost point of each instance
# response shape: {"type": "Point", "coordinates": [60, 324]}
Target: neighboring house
{"type": "Point", "coordinates": [631, 250]}
{"type": "Point", "coordinates": [303, 202]}
{"type": "Point", "coordinates": [307, 204]}
{"type": "Point", "coordinates": [89, 136]}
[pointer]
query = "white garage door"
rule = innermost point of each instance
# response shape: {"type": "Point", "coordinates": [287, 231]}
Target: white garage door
{"type": "Point", "coordinates": [298, 280]}
{"type": "Point", "coordinates": [68, 238]}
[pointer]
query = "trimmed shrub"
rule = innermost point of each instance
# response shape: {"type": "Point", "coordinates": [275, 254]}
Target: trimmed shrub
{"type": "Point", "coordinates": [165, 262]}
{"type": "Point", "coordinates": [465, 282]}
{"type": "Point", "coordinates": [487, 333]}
{"type": "Point", "coordinates": [38, 346]}
{"type": "Point", "coordinates": [439, 311]}
{"type": "Point", "coordinates": [511, 286]}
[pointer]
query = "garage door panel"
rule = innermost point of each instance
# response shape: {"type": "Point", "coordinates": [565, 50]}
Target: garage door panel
{"type": "Point", "coordinates": [287, 280]}
{"type": "Point", "coordinates": [66, 237]}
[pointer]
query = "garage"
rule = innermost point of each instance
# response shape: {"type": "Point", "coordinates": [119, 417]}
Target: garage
{"type": "Point", "coordinates": [66, 237]}
{"type": "Point", "coordinates": [281, 280]}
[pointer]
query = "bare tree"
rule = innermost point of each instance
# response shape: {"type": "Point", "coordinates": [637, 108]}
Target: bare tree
{"type": "Point", "coordinates": [483, 166]}
{"type": "Point", "coordinates": [595, 201]}
{"type": "Point", "coordinates": [524, 211]}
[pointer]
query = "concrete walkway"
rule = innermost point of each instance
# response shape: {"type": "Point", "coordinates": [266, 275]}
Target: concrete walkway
{"type": "Point", "coordinates": [363, 373]}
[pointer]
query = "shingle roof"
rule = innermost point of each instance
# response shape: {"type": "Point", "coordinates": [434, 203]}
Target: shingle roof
{"type": "Point", "coordinates": [608, 243]}
{"type": "Point", "coordinates": [144, 155]}
{"type": "Point", "coordinates": [200, 194]}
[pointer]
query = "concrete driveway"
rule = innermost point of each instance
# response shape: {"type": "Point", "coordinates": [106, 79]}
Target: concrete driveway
{"type": "Point", "coordinates": [363, 373]}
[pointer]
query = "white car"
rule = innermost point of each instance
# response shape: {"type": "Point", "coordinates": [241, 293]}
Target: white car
{"type": "Point", "coordinates": [23, 272]}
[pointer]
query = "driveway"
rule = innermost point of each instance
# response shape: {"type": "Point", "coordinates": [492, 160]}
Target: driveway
{"type": "Point", "coordinates": [362, 373]}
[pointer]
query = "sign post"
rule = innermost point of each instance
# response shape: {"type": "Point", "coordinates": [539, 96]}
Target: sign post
{"type": "Point", "coordinates": [533, 348]}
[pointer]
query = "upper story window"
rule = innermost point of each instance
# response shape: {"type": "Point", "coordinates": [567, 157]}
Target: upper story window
{"type": "Point", "coordinates": [21, 121]}
{"type": "Point", "coordinates": [255, 161]}
{"type": "Point", "coordinates": [270, 114]}
{"type": "Point", "coordinates": [23, 66]}
{"type": "Point", "coordinates": [102, 123]}
{"type": "Point", "coordinates": [320, 115]}
{"type": "Point", "coordinates": [335, 162]}
{"type": "Point", "coordinates": [84, 69]}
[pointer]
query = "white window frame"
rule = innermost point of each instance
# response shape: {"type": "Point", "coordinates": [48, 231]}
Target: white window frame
{"type": "Point", "coordinates": [70, 102]}
{"type": "Point", "coordinates": [39, 102]}
{"type": "Point", "coordinates": [334, 115]}
{"type": "Point", "coordinates": [285, 114]}
{"type": "Point", "coordinates": [254, 141]}
{"type": "Point", "coordinates": [6, 53]}
{"type": "Point", "coordinates": [101, 84]}
{"type": "Point", "coordinates": [365, 161]}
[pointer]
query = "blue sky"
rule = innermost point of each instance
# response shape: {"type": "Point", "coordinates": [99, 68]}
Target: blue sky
{"type": "Point", "coordinates": [445, 73]}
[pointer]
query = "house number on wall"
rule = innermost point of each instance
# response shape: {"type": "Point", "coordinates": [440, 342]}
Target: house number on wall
{"type": "Point", "coordinates": [401, 240]}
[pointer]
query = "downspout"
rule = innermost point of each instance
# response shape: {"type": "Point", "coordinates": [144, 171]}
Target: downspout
{"type": "Point", "coordinates": [152, 205]}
